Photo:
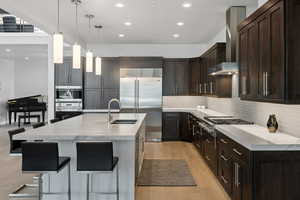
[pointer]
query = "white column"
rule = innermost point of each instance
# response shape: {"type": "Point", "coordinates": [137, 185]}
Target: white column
{"type": "Point", "coordinates": [51, 79]}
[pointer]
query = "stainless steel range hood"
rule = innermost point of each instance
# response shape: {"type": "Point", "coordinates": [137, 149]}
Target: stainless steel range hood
{"type": "Point", "coordinates": [234, 16]}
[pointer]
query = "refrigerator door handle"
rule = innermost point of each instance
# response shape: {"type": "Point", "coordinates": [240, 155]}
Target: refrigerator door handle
{"type": "Point", "coordinates": [135, 95]}
{"type": "Point", "coordinates": [138, 95]}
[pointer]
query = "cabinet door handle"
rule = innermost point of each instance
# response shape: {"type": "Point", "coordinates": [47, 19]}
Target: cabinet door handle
{"type": "Point", "coordinates": [223, 141]}
{"type": "Point", "coordinates": [264, 84]}
{"type": "Point", "coordinates": [244, 85]}
{"type": "Point", "coordinates": [211, 88]}
{"type": "Point", "coordinates": [207, 158]}
{"type": "Point", "coordinates": [224, 180]}
{"type": "Point", "coordinates": [267, 88]}
{"type": "Point", "coordinates": [200, 88]}
{"type": "Point", "coordinates": [193, 130]}
{"type": "Point", "coordinates": [237, 152]}
{"type": "Point", "coordinates": [205, 88]}
{"type": "Point", "coordinates": [237, 175]}
{"type": "Point", "coordinates": [224, 158]}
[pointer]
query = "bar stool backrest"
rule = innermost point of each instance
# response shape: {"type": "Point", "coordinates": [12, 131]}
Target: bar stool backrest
{"type": "Point", "coordinates": [94, 156]}
{"type": "Point", "coordinates": [40, 156]}
{"type": "Point", "coordinates": [38, 125]}
{"type": "Point", "coordinates": [14, 144]}
{"type": "Point", "coordinates": [52, 121]}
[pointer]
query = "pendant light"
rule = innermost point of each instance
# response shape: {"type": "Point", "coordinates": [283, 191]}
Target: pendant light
{"type": "Point", "coordinates": [98, 59]}
{"type": "Point", "coordinates": [98, 65]}
{"type": "Point", "coordinates": [58, 41]}
{"type": "Point", "coordinates": [76, 46]}
{"type": "Point", "coordinates": [89, 54]}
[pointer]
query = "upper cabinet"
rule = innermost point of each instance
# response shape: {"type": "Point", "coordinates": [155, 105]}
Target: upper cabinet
{"type": "Point", "coordinates": [65, 75]}
{"type": "Point", "coordinates": [195, 76]}
{"type": "Point", "coordinates": [269, 53]}
{"type": "Point", "coordinates": [176, 77]}
{"type": "Point", "coordinates": [215, 86]}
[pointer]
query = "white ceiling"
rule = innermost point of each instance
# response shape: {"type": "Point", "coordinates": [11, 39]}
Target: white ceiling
{"type": "Point", "coordinates": [153, 21]}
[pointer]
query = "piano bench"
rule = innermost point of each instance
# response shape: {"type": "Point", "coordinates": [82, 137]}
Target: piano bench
{"type": "Point", "coordinates": [26, 116]}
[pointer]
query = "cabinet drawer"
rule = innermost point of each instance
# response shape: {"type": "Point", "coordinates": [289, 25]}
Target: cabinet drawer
{"type": "Point", "coordinates": [225, 146]}
{"type": "Point", "coordinates": [225, 174]}
{"type": "Point", "coordinates": [240, 152]}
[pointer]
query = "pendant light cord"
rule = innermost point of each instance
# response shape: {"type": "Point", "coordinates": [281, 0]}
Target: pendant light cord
{"type": "Point", "coordinates": [77, 21]}
{"type": "Point", "coordinates": [58, 16]}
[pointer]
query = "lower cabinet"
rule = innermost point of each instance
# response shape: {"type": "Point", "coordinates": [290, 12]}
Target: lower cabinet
{"type": "Point", "coordinates": [234, 163]}
{"type": "Point", "coordinates": [170, 126]}
{"type": "Point", "coordinates": [175, 127]}
{"type": "Point", "coordinates": [210, 151]}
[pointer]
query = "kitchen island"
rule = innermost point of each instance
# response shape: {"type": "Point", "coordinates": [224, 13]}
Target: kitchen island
{"type": "Point", "coordinates": [128, 143]}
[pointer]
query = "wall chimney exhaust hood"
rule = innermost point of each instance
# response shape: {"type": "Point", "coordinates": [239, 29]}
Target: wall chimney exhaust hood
{"type": "Point", "coordinates": [234, 16]}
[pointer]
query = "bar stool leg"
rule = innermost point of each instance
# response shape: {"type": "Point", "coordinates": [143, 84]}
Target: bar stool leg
{"type": "Point", "coordinates": [40, 187]}
{"type": "Point", "coordinates": [88, 186]}
{"type": "Point", "coordinates": [69, 181]}
{"type": "Point", "coordinates": [117, 181]}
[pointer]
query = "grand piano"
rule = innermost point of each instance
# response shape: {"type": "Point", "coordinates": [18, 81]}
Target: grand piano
{"type": "Point", "coordinates": [26, 105]}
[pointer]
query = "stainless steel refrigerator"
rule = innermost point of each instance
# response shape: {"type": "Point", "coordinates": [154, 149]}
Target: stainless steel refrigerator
{"type": "Point", "coordinates": [141, 92]}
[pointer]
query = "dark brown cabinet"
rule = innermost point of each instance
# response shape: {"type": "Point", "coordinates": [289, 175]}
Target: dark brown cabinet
{"type": "Point", "coordinates": [170, 126]}
{"type": "Point", "coordinates": [175, 127]}
{"type": "Point", "coordinates": [176, 77]}
{"type": "Point", "coordinates": [269, 53]}
{"type": "Point", "coordinates": [195, 76]}
{"type": "Point", "coordinates": [209, 85]}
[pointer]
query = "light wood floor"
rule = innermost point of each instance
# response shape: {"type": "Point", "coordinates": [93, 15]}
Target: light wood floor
{"type": "Point", "coordinates": [11, 176]}
{"type": "Point", "coordinates": [207, 188]}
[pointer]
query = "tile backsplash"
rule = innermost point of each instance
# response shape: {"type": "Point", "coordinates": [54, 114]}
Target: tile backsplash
{"type": "Point", "coordinates": [183, 101]}
{"type": "Point", "coordinates": [288, 116]}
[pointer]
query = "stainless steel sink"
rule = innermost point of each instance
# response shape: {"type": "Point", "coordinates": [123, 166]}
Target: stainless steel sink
{"type": "Point", "coordinates": [124, 121]}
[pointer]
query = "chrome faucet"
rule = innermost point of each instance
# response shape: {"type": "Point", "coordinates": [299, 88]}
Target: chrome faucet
{"type": "Point", "coordinates": [110, 118]}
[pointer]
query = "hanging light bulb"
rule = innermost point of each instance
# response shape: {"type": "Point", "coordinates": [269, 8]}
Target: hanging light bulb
{"type": "Point", "coordinates": [58, 42]}
{"type": "Point", "coordinates": [89, 61]}
{"type": "Point", "coordinates": [89, 54]}
{"type": "Point", "coordinates": [98, 65]}
{"type": "Point", "coordinates": [98, 59]}
{"type": "Point", "coordinates": [76, 46]}
{"type": "Point", "coordinates": [76, 56]}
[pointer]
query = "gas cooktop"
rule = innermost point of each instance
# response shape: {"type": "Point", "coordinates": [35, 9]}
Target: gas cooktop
{"type": "Point", "coordinates": [226, 120]}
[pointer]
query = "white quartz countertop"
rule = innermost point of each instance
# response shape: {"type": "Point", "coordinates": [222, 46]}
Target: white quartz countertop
{"type": "Point", "coordinates": [198, 113]}
{"type": "Point", "coordinates": [258, 138]}
{"type": "Point", "coordinates": [92, 126]}
{"type": "Point", "coordinates": [254, 137]}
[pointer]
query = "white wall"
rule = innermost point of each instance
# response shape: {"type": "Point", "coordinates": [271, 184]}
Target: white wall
{"type": "Point", "coordinates": [6, 86]}
{"type": "Point", "coordinates": [19, 78]}
{"type": "Point", "coordinates": [31, 77]}
{"type": "Point", "coordinates": [261, 2]}
{"type": "Point", "coordinates": [160, 50]}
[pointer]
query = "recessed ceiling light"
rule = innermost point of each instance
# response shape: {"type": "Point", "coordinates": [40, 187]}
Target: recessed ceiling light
{"type": "Point", "coordinates": [180, 23]}
{"type": "Point", "coordinates": [127, 23]}
{"type": "Point", "coordinates": [119, 5]}
{"type": "Point", "coordinates": [8, 50]}
{"type": "Point", "coordinates": [26, 58]}
{"type": "Point", "coordinates": [121, 35]}
{"type": "Point", "coordinates": [186, 5]}
{"type": "Point", "coordinates": [176, 35]}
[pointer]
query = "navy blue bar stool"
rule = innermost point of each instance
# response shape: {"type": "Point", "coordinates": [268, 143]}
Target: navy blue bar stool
{"type": "Point", "coordinates": [43, 158]}
{"type": "Point", "coordinates": [97, 157]}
